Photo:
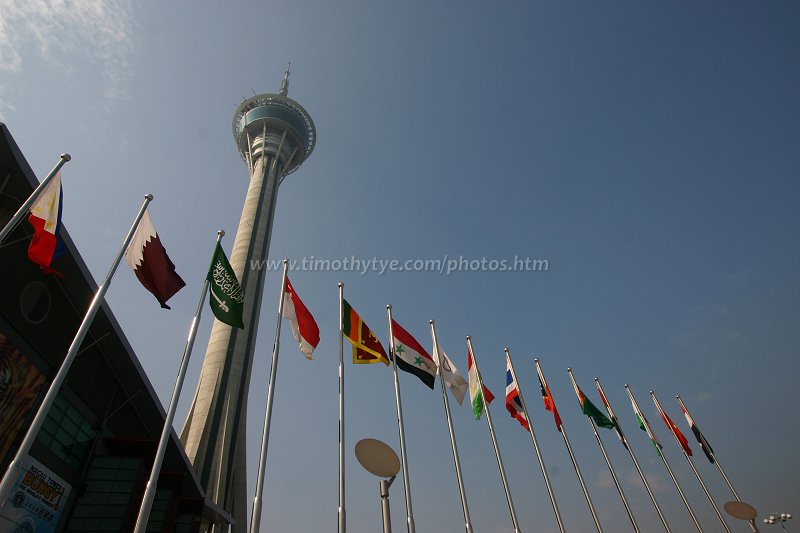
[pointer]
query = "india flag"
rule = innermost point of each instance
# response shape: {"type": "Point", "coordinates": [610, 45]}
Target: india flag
{"type": "Point", "coordinates": [479, 395]}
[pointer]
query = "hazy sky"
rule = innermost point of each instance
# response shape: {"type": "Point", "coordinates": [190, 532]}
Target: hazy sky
{"type": "Point", "coordinates": [649, 153]}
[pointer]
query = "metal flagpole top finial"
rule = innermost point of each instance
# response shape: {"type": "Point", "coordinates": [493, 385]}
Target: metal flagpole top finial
{"type": "Point", "coordinates": [430, 321]}
{"type": "Point", "coordinates": [652, 393]}
{"type": "Point", "coordinates": [388, 306]}
{"type": "Point", "coordinates": [596, 379]}
{"type": "Point", "coordinates": [285, 262]}
{"type": "Point", "coordinates": [285, 82]}
{"type": "Point", "coordinates": [505, 349]}
{"type": "Point", "coordinates": [535, 359]}
{"type": "Point", "coordinates": [66, 157]}
{"type": "Point", "coordinates": [341, 285]}
{"type": "Point", "coordinates": [148, 196]}
{"type": "Point", "coordinates": [569, 369]}
{"type": "Point", "coordinates": [468, 337]}
{"type": "Point", "coordinates": [221, 233]}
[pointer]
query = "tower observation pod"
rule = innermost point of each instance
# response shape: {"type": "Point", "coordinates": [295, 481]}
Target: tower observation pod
{"type": "Point", "coordinates": [274, 135]}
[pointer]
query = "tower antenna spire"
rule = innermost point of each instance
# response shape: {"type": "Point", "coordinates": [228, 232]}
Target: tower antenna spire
{"type": "Point", "coordinates": [285, 82]}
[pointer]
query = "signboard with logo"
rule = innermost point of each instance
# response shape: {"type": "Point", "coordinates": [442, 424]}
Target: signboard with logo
{"type": "Point", "coordinates": [36, 500]}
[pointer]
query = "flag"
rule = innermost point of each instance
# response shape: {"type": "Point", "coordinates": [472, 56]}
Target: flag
{"type": "Point", "coordinates": [593, 412]}
{"type": "Point", "coordinates": [677, 432]}
{"type": "Point", "coordinates": [366, 346]}
{"type": "Point", "coordinates": [699, 436]}
{"type": "Point", "coordinates": [513, 402]}
{"type": "Point", "coordinates": [151, 264]}
{"type": "Point", "coordinates": [227, 297]}
{"type": "Point", "coordinates": [547, 398]}
{"type": "Point", "coordinates": [412, 357]}
{"type": "Point", "coordinates": [645, 426]}
{"type": "Point", "coordinates": [452, 377]}
{"type": "Point", "coordinates": [304, 327]}
{"type": "Point", "coordinates": [611, 415]}
{"type": "Point", "coordinates": [45, 217]}
{"type": "Point", "coordinates": [479, 395]}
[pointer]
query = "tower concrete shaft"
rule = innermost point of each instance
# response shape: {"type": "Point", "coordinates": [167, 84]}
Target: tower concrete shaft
{"type": "Point", "coordinates": [274, 135]}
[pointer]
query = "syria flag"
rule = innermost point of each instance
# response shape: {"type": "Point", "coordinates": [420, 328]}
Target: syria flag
{"type": "Point", "coordinates": [412, 357]}
{"type": "Point", "coordinates": [304, 327]}
{"type": "Point", "coordinates": [151, 264]}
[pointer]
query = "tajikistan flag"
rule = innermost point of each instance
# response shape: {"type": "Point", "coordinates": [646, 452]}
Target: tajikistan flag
{"type": "Point", "coordinates": [479, 395]}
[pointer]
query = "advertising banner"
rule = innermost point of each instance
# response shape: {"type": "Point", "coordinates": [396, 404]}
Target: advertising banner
{"type": "Point", "coordinates": [36, 501]}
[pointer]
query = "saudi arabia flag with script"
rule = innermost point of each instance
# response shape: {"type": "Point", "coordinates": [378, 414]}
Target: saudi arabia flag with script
{"type": "Point", "coordinates": [227, 297]}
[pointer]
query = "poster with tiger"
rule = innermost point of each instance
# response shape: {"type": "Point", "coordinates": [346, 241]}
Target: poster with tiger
{"type": "Point", "coordinates": [20, 383]}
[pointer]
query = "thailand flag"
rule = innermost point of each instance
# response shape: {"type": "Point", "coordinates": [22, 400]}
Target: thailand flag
{"type": "Point", "coordinates": [513, 403]}
{"type": "Point", "coordinates": [45, 218]}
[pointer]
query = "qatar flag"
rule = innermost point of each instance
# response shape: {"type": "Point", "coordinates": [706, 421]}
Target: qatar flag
{"type": "Point", "coordinates": [151, 264]}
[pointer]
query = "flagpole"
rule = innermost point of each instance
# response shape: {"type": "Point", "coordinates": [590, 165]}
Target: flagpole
{"type": "Point", "coordinates": [507, 491]}
{"type": "Point", "coordinates": [691, 464]}
{"type": "Point", "coordinates": [664, 459]}
{"type": "Point", "coordinates": [536, 446]}
{"type": "Point", "coordinates": [33, 430]}
{"type": "Point", "coordinates": [719, 466]}
{"type": "Point", "coordinates": [342, 516]}
{"type": "Point", "coordinates": [255, 518]}
{"type": "Point", "coordinates": [563, 431]}
{"type": "Point", "coordinates": [453, 445]}
{"type": "Point", "coordinates": [25, 207]}
{"type": "Point", "coordinates": [150, 491]}
{"type": "Point", "coordinates": [633, 457]}
{"type": "Point", "coordinates": [404, 459]}
{"type": "Point", "coordinates": [605, 455]}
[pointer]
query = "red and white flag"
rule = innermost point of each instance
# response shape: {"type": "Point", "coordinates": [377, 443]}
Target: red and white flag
{"type": "Point", "coordinates": [151, 264]}
{"type": "Point", "coordinates": [304, 327]}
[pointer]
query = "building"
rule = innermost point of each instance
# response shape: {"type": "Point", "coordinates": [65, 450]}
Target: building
{"type": "Point", "coordinates": [274, 135]}
{"type": "Point", "coordinates": [102, 432]}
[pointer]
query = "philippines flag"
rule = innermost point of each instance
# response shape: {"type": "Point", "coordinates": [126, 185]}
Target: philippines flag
{"type": "Point", "coordinates": [513, 403]}
{"type": "Point", "coordinates": [45, 218]}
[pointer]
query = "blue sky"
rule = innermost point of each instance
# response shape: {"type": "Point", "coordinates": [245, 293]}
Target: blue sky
{"type": "Point", "coordinates": [647, 152]}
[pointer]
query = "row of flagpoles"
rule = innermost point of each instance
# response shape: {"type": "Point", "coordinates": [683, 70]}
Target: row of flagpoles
{"type": "Point", "coordinates": [146, 255]}
{"type": "Point", "coordinates": [407, 354]}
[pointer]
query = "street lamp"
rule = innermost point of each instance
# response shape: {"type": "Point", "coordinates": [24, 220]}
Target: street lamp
{"type": "Point", "coordinates": [743, 511]}
{"type": "Point", "coordinates": [776, 518]}
{"type": "Point", "coordinates": [379, 458]}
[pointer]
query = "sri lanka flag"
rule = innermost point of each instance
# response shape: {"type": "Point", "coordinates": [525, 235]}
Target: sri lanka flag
{"type": "Point", "coordinates": [45, 218]}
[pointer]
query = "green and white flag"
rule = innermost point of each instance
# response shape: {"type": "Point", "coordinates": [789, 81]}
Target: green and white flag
{"type": "Point", "coordinates": [479, 395]}
{"type": "Point", "coordinates": [227, 298]}
{"type": "Point", "coordinates": [644, 425]}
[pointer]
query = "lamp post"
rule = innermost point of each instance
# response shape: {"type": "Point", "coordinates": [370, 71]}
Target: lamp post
{"type": "Point", "coordinates": [776, 518]}
{"type": "Point", "coordinates": [380, 459]}
{"type": "Point", "coordinates": [743, 511]}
